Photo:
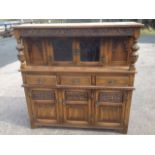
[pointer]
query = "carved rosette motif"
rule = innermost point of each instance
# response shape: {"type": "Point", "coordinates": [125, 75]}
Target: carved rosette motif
{"type": "Point", "coordinates": [134, 54]}
{"type": "Point", "coordinates": [20, 55]}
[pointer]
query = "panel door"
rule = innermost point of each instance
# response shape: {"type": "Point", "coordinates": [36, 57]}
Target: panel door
{"type": "Point", "coordinates": [44, 105]}
{"type": "Point", "coordinates": [109, 107]}
{"type": "Point", "coordinates": [76, 107]}
{"type": "Point", "coordinates": [119, 51]}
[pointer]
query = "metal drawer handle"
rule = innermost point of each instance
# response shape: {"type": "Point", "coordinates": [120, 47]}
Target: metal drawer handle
{"type": "Point", "coordinates": [97, 103]}
{"type": "Point", "coordinates": [110, 82]}
{"type": "Point", "coordinates": [40, 81]}
{"type": "Point", "coordinates": [76, 81]}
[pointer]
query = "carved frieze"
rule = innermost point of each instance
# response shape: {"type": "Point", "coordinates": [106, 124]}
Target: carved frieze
{"type": "Point", "coordinates": [42, 95]}
{"type": "Point", "coordinates": [76, 32]}
{"type": "Point", "coordinates": [113, 97]}
{"type": "Point", "coordinates": [76, 96]}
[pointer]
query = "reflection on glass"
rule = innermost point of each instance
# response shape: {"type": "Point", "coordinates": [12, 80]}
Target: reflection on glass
{"type": "Point", "coordinates": [62, 48]}
{"type": "Point", "coordinates": [89, 49]}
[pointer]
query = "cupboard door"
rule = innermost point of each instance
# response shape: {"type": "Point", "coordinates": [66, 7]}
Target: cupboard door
{"type": "Point", "coordinates": [60, 51]}
{"type": "Point", "coordinates": [44, 105]}
{"type": "Point", "coordinates": [109, 107]}
{"type": "Point", "coordinates": [76, 107]}
{"type": "Point", "coordinates": [89, 49]}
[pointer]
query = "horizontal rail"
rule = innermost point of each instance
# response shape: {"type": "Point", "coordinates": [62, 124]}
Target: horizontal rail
{"type": "Point", "coordinates": [79, 87]}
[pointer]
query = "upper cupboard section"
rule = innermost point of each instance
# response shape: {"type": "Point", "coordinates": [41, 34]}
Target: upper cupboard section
{"type": "Point", "coordinates": [85, 51]}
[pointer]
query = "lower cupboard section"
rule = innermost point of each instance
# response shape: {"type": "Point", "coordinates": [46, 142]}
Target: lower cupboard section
{"type": "Point", "coordinates": [77, 107]}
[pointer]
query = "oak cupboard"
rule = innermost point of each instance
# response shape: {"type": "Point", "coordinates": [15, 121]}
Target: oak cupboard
{"type": "Point", "coordinates": [78, 75]}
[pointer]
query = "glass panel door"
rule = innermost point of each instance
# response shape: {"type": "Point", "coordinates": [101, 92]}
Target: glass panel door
{"type": "Point", "coordinates": [89, 50]}
{"type": "Point", "coordinates": [62, 48]}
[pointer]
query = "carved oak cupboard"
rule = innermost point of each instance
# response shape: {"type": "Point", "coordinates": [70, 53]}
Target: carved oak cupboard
{"type": "Point", "coordinates": [78, 75]}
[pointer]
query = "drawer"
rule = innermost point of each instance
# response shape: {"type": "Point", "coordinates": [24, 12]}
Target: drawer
{"type": "Point", "coordinates": [76, 80]}
{"type": "Point", "coordinates": [41, 79]}
{"type": "Point", "coordinates": [112, 81]}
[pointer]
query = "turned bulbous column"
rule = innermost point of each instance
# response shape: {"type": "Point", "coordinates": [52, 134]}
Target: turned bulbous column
{"type": "Point", "coordinates": [20, 55]}
{"type": "Point", "coordinates": [134, 55]}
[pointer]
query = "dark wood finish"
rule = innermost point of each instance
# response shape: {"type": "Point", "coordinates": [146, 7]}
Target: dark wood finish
{"type": "Point", "coordinates": [78, 75]}
{"type": "Point", "coordinates": [44, 80]}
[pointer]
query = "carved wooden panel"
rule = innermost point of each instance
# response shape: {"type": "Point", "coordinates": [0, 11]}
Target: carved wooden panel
{"type": "Point", "coordinates": [77, 32]}
{"type": "Point", "coordinates": [42, 95]}
{"type": "Point", "coordinates": [113, 97]}
{"type": "Point", "coordinates": [76, 96]}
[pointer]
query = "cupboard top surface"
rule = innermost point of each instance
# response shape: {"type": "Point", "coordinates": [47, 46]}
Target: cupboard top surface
{"type": "Point", "coordinates": [82, 25]}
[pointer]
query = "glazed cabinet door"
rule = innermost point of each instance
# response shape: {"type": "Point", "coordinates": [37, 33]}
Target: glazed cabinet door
{"type": "Point", "coordinates": [44, 105]}
{"type": "Point", "coordinates": [76, 107]}
{"type": "Point", "coordinates": [109, 108]}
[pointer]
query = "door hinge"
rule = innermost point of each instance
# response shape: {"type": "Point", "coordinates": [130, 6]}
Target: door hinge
{"type": "Point", "coordinates": [91, 96]}
{"type": "Point", "coordinates": [125, 96]}
{"type": "Point", "coordinates": [29, 94]}
{"type": "Point", "coordinates": [61, 101]}
{"type": "Point", "coordinates": [97, 103]}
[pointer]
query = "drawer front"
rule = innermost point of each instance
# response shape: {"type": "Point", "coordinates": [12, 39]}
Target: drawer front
{"type": "Point", "coordinates": [41, 79]}
{"type": "Point", "coordinates": [112, 81]}
{"type": "Point", "coordinates": [76, 80]}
